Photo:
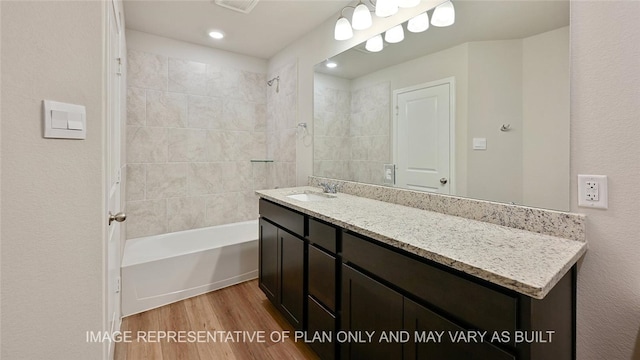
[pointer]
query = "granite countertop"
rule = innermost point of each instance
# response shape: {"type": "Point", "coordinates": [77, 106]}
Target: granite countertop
{"type": "Point", "coordinates": [526, 262]}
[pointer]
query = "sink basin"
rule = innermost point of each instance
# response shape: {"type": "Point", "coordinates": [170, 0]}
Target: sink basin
{"type": "Point", "coordinates": [311, 196]}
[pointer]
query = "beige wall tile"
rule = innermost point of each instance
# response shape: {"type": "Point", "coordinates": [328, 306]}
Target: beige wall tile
{"type": "Point", "coordinates": [222, 209]}
{"type": "Point", "coordinates": [188, 77]}
{"type": "Point", "coordinates": [136, 106]}
{"type": "Point", "coordinates": [166, 180]}
{"type": "Point", "coordinates": [146, 145]}
{"type": "Point", "coordinates": [145, 218]}
{"type": "Point", "coordinates": [185, 213]}
{"type": "Point", "coordinates": [205, 178]}
{"type": "Point", "coordinates": [166, 109]}
{"type": "Point", "coordinates": [135, 182]}
{"type": "Point", "coordinates": [146, 70]}
{"type": "Point", "coordinates": [205, 112]}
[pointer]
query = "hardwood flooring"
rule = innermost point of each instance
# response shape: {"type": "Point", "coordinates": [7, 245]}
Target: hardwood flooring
{"type": "Point", "coordinates": [238, 308]}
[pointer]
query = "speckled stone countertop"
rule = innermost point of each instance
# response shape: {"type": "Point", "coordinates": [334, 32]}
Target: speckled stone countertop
{"type": "Point", "coordinates": [526, 262]}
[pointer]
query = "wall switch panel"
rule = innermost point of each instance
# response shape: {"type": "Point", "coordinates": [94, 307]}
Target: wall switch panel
{"type": "Point", "coordinates": [389, 174]}
{"type": "Point", "coordinates": [64, 121]}
{"type": "Point", "coordinates": [592, 191]}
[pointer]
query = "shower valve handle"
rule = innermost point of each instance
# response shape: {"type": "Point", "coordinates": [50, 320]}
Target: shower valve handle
{"type": "Point", "coordinates": [119, 217]}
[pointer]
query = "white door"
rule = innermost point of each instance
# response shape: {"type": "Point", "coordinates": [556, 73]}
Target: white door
{"type": "Point", "coordinates": [423, 137]}
{"type": "Point", "coordinates": [114, 104]}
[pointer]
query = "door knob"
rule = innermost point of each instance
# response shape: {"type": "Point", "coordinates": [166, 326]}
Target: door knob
{"type": "Point", "coordinates": [119, 217]}
{"type": "Point", "coordinates": [443, 181]}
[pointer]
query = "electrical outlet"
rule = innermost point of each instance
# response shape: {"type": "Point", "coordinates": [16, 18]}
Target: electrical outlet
{"type": "Point", "coordinates": [592, 191]}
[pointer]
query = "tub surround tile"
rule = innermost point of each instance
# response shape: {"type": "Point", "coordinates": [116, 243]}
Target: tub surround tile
{"type": "Point", "coordinates": [188, 77]}
{"type": "Point", "coordinates": [222, 209]}
{"type": "Point", "coordinates": [166, 180]}
{"type": "Point", "coordinates": [166, 109]}
{"type": "Point", "coordinates": [145, 218]}
{"type": "Point", "coordinates": [136, 106]}
{"type": "Point", "coordinates": [205, 112]}
{"type": "Point", "coordinates": [146, 145]}
{"type": "Point", "coordinates": [136, 182]}
{"type": "Point", "coordinates": [193, 128]}
{"type": "Point", "coordinates": [146, 70]}
{"type": "Point", "coordinates": [548, 222]}
{"type": "Point", "coordinates": [523, 261]}
{"type": "Point", "coordinates": [185, 213]}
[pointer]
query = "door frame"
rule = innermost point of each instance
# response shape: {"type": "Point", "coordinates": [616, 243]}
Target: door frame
{"type": "Point", "coordinates": [451, 81]}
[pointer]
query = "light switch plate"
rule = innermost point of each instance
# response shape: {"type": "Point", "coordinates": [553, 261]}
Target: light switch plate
{"type": "Point", "coordinates": [592, 191]}
{"type": "Point", "coordinates": [479, 143]}
{"type": "Point", "coordinates": [55, 114]}
{"type": "Point", "coordinates": [389, 174]}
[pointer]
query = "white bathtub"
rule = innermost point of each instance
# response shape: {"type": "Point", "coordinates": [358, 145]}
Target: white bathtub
{"type": "Point", "coordinates": [159, 270]}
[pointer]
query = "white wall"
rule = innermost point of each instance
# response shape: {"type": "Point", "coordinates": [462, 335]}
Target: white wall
{"type": "Point", "coordinates": [52, 194]}
{"type": "Point", "coordinates": [545, 110]}
{"type": "Point", "coordinates": [605, 123]}
{"type": "Point", "coordinates": [495, 98]}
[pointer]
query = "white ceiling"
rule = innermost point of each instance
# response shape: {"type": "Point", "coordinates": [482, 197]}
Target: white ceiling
{"type": "Point", "coordinates": [475, 21]}
{"type": "Point", "coordinates": [267, 29]}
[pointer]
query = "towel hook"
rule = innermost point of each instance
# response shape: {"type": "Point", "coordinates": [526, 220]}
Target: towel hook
{"type": "Point", "coordinates": [506, 127]}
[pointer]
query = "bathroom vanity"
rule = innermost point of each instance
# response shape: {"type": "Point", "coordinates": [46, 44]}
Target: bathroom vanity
{"type": "Point", "coordinates": [385, 281]}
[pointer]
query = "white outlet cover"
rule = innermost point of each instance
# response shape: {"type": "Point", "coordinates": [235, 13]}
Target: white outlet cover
{"type": "Point", "coordinates": [602, 196]}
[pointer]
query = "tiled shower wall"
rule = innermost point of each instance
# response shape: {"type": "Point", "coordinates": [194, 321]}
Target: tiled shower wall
{"type": "Point", "coordinates": [331, 126]}
{"type": "Point", "coordinates": [370, 133]}
{"type": "Point", "coordinates": [352, 132]}
{"type": "Point", "coordinates": [192, 129]}
{"type": "Point", "coordinates": [282, 130]}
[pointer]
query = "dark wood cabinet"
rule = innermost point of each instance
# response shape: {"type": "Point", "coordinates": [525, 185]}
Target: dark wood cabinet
{"type": "Point", "coordinates": [434, 337]}
{"type": "Point", "coordinates": [332, 281]}
{"type": "Point", "coordinates": [369, 308]}
{"type": "Point", "coordinates": [268, 260]}
{"type": "Point", "coordinates": [282, 262]}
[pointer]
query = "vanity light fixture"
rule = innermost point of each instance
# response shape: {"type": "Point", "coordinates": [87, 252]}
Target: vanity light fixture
{"type": "Point", "coordinates": [394, 35]}
{"type": "Point", "coordinates": [216, 35]}
{"type": "Point", "coordinates": [385, 8]}
{"type": "Point", "coordinates": [443, 15]}
{"type": "Point", "coordinates": [361, 18]}
{"type": "Point", "coordinates": [374, 44]}
{"type": "Point", "coordinates": [418, 23]}
{"type": "Point", "coordinates": [343, 29]}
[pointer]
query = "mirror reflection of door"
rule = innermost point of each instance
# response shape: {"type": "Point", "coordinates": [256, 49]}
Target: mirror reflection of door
{"type": "Point", "coordinates": [423, 137]}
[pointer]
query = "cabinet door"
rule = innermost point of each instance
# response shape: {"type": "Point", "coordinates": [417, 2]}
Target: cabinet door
{"type": "Point", "coordinates": [423, 326]}
{"type": "Point", "coordinates": [292, 277]}
{"type": "Point", "coordinates": [369, 306]}
{"type": "Point", "coordinates": [268, 259]}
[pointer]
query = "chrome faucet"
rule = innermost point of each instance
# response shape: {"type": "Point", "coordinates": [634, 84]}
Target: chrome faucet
{"type": "Point", "coordinates": [330, 188]}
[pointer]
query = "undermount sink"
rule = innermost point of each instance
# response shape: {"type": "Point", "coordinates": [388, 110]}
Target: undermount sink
{"type": "Point", "coordinates": [311, 196]}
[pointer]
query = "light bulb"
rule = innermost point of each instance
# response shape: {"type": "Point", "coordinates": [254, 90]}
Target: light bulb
{"type": "Point", "coordinates": [443, 15]}
{"type": "Point", "coordinates": [374, 44]}
{"type": "Point", "coordinates": [419, 23]}
{"type": "Point", "coordinates": [361, 19]}
{"type": "Point", "coordinates": [408, 3]}
{"type": "Point", "coordinates": [343, 29]}
{"type": "Point", "coordinates": [386, 8]}
{"type": "Point", "coordinates": [394, 35]}
{"type": "Point", "coordinates": [216, 35]}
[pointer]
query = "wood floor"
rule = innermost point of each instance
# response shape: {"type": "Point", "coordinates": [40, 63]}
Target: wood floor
{"type": "Point", "coordinates": [241, 307]}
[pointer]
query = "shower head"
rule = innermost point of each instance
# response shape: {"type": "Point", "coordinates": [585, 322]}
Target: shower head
{"type": "Point", "coordinates": [277, 81]}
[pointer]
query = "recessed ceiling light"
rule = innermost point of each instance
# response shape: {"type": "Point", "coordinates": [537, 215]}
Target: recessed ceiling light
{"type": "Point", "coordinates": [216, 35]}
{"type": "Point", "coordinates": [331, 64]}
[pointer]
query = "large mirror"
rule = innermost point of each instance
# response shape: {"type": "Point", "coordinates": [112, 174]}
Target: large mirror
{"type": "Point", "coordinates": [477, 109]}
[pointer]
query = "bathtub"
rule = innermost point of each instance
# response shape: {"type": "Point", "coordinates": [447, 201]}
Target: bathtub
{"type": "Point", "coordinates": [158, 270]}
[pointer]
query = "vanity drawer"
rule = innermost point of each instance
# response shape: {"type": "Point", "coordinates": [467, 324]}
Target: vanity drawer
{"type": "Point", "coordinates": [467, 301]}
{"type": "Point", "coordinates": [322, 235]}
{"type": "Point", "coordinates": [322, 277]}
{"type": "Point", "coordinates": [282, 216]}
